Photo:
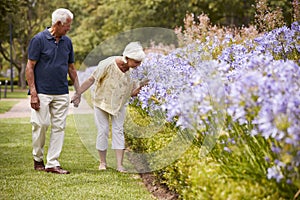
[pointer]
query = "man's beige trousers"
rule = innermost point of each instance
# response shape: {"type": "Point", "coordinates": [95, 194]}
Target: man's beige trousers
{"type": "Point", "coordinates": [53, 111]}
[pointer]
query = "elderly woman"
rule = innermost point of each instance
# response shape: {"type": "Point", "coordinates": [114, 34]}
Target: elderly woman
{"type": "Point", "coordinates": [113, 88]}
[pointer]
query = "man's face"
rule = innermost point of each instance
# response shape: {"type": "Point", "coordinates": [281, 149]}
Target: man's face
{"type": "Point", "coordinates": [64, 28]}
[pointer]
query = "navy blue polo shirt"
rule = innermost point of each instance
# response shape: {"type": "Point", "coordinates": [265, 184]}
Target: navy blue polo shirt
{"type": "Point", "coordinates": [51, 69]}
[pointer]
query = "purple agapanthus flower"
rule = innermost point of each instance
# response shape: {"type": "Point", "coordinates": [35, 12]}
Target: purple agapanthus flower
{"type": "Point", "coordinates": [275, 173]}
{"type": "Point", "coordinates": [255, 84]}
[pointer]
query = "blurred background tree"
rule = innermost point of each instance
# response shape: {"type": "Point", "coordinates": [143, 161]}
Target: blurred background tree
{"type": "Point", "coordinates": [26, 18]}
{"type": "Point", "coordinates": [97, 20]}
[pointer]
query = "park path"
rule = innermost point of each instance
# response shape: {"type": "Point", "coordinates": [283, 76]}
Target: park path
{"type": "Point", "coordinates": [22, 108]}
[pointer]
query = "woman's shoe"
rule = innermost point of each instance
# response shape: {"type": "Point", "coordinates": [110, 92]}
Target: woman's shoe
{"type": "Point", "coordinates": [102, 167]}
{"type": "Point", "coordinates": [122, 170]}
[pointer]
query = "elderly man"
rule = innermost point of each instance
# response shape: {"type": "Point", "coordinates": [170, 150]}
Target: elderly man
{"type": "Point", "coordinates": [50, 59]}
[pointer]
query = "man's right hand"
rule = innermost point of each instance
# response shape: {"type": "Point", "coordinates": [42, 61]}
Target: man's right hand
{"type": "Point", "coordinates": [35, 102]}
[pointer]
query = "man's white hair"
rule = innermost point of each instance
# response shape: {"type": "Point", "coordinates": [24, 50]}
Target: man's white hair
{"type": "Point", "coordinates": [61, 14]}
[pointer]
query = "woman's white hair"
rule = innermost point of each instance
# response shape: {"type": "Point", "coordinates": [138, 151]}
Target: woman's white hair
{"type": "Point", "coordinates": [61, 14]}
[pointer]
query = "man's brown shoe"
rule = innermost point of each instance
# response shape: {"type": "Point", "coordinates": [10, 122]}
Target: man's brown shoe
{"type": "Point", "coordinates": [39, 165]}
{"type": "Point", "coordinates": [57, 170]}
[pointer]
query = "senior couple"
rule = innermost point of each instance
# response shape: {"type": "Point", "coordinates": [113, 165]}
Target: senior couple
{"type": "Point", "coordinates": [50, 60]}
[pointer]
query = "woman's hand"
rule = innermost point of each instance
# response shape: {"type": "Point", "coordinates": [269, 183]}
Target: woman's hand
{"type": "Point", "coordinates": [76, 100]}
{"type": "Point", "coordinates": [141, 84]}
{"type": "Point", "coordinates": [144, 82]}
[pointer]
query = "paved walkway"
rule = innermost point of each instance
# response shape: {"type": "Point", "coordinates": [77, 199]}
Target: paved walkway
{"type": "Point", "coordinates": [22, 108]}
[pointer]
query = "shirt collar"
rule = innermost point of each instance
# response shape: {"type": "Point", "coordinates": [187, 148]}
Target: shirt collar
{"type": "Point", "coordinates": [49, 36]}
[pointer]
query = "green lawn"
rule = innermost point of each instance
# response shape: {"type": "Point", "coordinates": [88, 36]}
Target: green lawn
{"type": "Point", "coordinates": [19, 181]}
{"type": "Point", "coordinates": [6, 105]}
{"type": "Point", "coordinates": [16, 94]}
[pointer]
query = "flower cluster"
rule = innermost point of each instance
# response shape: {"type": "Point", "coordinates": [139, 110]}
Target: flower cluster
{"type": "Point", "coordinates": [256, 82]}
{"type": "Point", "coordinates": [282, 43]}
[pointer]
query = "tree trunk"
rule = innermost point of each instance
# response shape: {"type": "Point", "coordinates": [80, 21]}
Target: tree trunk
{"type": "Point", "coordinates": [22, 80]}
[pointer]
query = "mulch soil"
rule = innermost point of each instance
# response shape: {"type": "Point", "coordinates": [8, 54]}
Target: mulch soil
{"type": "Point", "coordinates": [160, 191]}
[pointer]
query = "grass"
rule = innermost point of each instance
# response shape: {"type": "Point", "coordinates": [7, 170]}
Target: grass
{"type": "Point", "coordinates": [20, 181]}
{"type": "Point", "coordinates": [16, 94]}
{"type": "Point", "coordinates": [6, 105]}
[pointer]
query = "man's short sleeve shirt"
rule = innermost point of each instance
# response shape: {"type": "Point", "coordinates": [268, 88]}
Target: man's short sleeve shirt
{"type": "Point", "coordinates": [53, 58]}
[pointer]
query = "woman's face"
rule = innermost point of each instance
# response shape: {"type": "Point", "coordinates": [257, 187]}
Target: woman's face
{"type": "Point", "coordinates": [133, 63]}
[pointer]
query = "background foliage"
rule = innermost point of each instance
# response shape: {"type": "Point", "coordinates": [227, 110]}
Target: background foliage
{"type": "Point", "coordinates": [97, 20]}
